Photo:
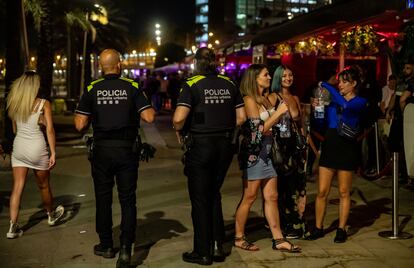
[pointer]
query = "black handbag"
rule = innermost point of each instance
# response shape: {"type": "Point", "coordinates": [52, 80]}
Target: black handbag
{"type": "Point", "coordinates": [345, 130]}
{"type": "Point", "coordinates": [276, 154]}
{"type": "Point", "coordinates": [301, 143]}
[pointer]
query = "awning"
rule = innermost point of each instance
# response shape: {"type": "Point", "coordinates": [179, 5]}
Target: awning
{"type": "Point", "coordinates": [340, 15]}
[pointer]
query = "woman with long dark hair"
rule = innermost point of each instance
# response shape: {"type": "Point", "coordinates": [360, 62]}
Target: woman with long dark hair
{"type": "Point", "coordinates": [339, 153]}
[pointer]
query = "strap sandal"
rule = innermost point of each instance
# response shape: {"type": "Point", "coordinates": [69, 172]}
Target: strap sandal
{"type": "Point", "coordinates": [245, 245]}
{"type": "Point", "coordinates": [277, 245]}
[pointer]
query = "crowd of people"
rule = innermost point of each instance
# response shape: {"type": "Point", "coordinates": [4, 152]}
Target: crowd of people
{"type": "Point", "coordinates": [263, 112]}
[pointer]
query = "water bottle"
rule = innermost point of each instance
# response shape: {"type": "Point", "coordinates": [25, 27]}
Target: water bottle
{"type": "Point", "coordinates": [319, 112]}
{"type": "Point", "coordinates": [284, 126]}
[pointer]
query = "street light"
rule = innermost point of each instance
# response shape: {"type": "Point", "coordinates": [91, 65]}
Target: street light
{"type": "Point", "coordinates": [158, 33]}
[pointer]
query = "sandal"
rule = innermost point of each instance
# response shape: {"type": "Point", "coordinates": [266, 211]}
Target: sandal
{"type": "Point", "coordinates": [246, 245]}
{"type": "Point", "coordinates": [293, 248]}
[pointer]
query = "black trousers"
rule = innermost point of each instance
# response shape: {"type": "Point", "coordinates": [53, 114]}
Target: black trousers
{"type": "Point", "coordinates": [206, 166]}
{"type": "Point", "coordinates": [110, 164]}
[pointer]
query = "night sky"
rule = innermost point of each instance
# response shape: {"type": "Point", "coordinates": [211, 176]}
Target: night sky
{"type": "Point", "coordinates": [173, 15]}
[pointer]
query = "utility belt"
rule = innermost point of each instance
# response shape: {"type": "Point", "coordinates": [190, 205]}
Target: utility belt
{"type": "Point", "coordinates": [232, 134]}
{"type": "Point", "coordinates": [187, 139]}
{"type": "Point", "coordinates": [115, 143]}
{"type": "Point", "coordinates": [144, 151]}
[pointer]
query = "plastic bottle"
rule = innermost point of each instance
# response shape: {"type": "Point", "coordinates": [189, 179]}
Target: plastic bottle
{"type": "Point", "coordinates": [320, 96]}
{"type": "Point", "coordinates": [284, 126]}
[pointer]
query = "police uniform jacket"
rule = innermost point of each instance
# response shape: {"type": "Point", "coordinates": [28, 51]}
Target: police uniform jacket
{"type": "Point", "coordinates": [114, 103]}
{"type": "Point", "coordinates": [213, 100]}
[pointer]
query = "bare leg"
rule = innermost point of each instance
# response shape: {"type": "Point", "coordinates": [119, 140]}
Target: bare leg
{"type": "Point", "coordinates": [271, 209]}
{"type": "Point", "coordinates": [345, 184]}
{"type": "Point", "coordinates": [19, 180]}
{"type": "Point", "coordinates": [42, 178]}
{"type": "Point", "coordinates": [242, 212]}
{"type": "Point", "coordinates": [324, 186]}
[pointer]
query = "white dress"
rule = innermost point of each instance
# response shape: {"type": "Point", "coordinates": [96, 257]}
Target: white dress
{"type": "Point", "coordinates": [29, 146]}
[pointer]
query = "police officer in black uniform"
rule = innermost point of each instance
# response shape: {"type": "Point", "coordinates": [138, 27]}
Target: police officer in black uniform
{"type": "Point", "coordinates": [208, 109]}
{"type": "Point", "coordinates": [114, 105]}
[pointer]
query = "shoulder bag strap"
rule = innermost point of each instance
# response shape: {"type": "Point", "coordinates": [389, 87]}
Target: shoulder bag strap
{"type": "Point", "coordinates": [42, 103]}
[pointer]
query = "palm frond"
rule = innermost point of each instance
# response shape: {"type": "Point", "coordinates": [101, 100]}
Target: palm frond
{"type": "Point", "coordinates": [35, 8]}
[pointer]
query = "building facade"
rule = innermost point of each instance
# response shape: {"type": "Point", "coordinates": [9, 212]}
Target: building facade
{"type": "Point", "coordinates": [254, 14]}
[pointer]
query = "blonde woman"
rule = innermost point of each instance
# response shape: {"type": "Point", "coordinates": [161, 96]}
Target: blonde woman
{"type": "Point", "coordinates": [29, 147]}
{"type": "Point", "coordinates": [254, 157]}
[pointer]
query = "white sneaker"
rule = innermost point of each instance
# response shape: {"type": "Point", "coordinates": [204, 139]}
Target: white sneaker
{"type": "Point", "coordinates": [55, 215]}
{"type": "Point", "coordinates": [14, 231]}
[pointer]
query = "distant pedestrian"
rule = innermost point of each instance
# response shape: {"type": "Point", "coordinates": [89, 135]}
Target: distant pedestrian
{"type": "Point", "coordinates": [339, 154]}
{"type": "Point", "coordinates": [208, 110]}
{"type": "Point", "coordinates": [173, 89]}
{"type": "Point", "coordinates": [387, 92]}
{"type": "Point", "coordinates": [408, 124]}
{"type": "Point", "coordinates": [30, 150]}
{"type": "Point", "coordinates": [115, 106]}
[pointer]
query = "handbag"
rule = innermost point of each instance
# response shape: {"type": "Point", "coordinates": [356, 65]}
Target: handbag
{"type": "Point", "coordinates": [344, 130]}
{"type": "Point", "coordinates": [347, 131]}
{"type": "Point", "coordinates": [301, 143]}
{"type": "Point", "coordinates": [276, 154]}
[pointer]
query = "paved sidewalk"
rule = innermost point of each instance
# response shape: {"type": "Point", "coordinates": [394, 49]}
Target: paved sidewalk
{"type": "Point", "coordinates": [164, 223]}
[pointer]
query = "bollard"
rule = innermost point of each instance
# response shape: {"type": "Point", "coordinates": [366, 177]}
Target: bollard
{"type": "Point", "coordinates": [395, 233]}
{"type": "Point", "coordinates": [377, 147]}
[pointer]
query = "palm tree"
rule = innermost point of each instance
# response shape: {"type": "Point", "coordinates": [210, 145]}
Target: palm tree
{"type": "Point", "coordinates": [42, 15]}
{"type": "Point", "coordinates": [72, 16]}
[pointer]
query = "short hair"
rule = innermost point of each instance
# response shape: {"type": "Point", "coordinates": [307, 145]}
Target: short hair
{"type": "Point", "coordinates": [409, 61]}
{"type": "Point", "coordinates": [277, 78]}
{"type": "Point", "coordinates": [206, 61]}
{"type": "Point", "coordinates": [392, 77]}
{"type": "Point", "coordinates": [248, 84]}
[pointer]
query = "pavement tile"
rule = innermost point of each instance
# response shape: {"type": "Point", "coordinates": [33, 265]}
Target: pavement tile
{"type": "Point", "coordinates": [164, 222]}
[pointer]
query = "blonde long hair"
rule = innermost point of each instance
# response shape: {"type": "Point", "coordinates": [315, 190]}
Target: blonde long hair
{"type": "Point", "coordinates": [22, 95]}
{"type": "Point", "coordinates": [248, 84]}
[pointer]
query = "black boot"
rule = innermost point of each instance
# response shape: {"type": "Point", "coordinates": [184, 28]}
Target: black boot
{"type": "Point", "coordinates": [194, 257]}
{"type": "Point", "coordinates": [124, 257]}
{"type": "Point", "coordinates": [316, 234]}
{"type": "Point", "coordinates": [106, 252]}
{"type": "Point", "coordinates": [340, 236]}
{"type": "Point", "coordinates": [218, 255]}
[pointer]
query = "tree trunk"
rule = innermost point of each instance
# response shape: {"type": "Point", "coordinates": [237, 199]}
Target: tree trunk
{"type": "Point", "coordinates": [14, 57]}
{"type": "Point", "coordinates": [45, 52]}
{"type": "Point", "coordinates": [71, 68]}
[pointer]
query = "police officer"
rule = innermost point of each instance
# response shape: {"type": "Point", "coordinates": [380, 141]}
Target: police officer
{"type": "Point", "coordinates": [208, 109]}
{"type": "Point", "coordinates": [114, 105]}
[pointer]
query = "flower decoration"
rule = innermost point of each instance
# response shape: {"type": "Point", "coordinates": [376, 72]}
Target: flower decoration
{"type": "Point", "coordinates": [283, 49]}
{"type": "Point", "coordinates": [360, 40]}
{"type": "Point", "coordinates": [316, 45]}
